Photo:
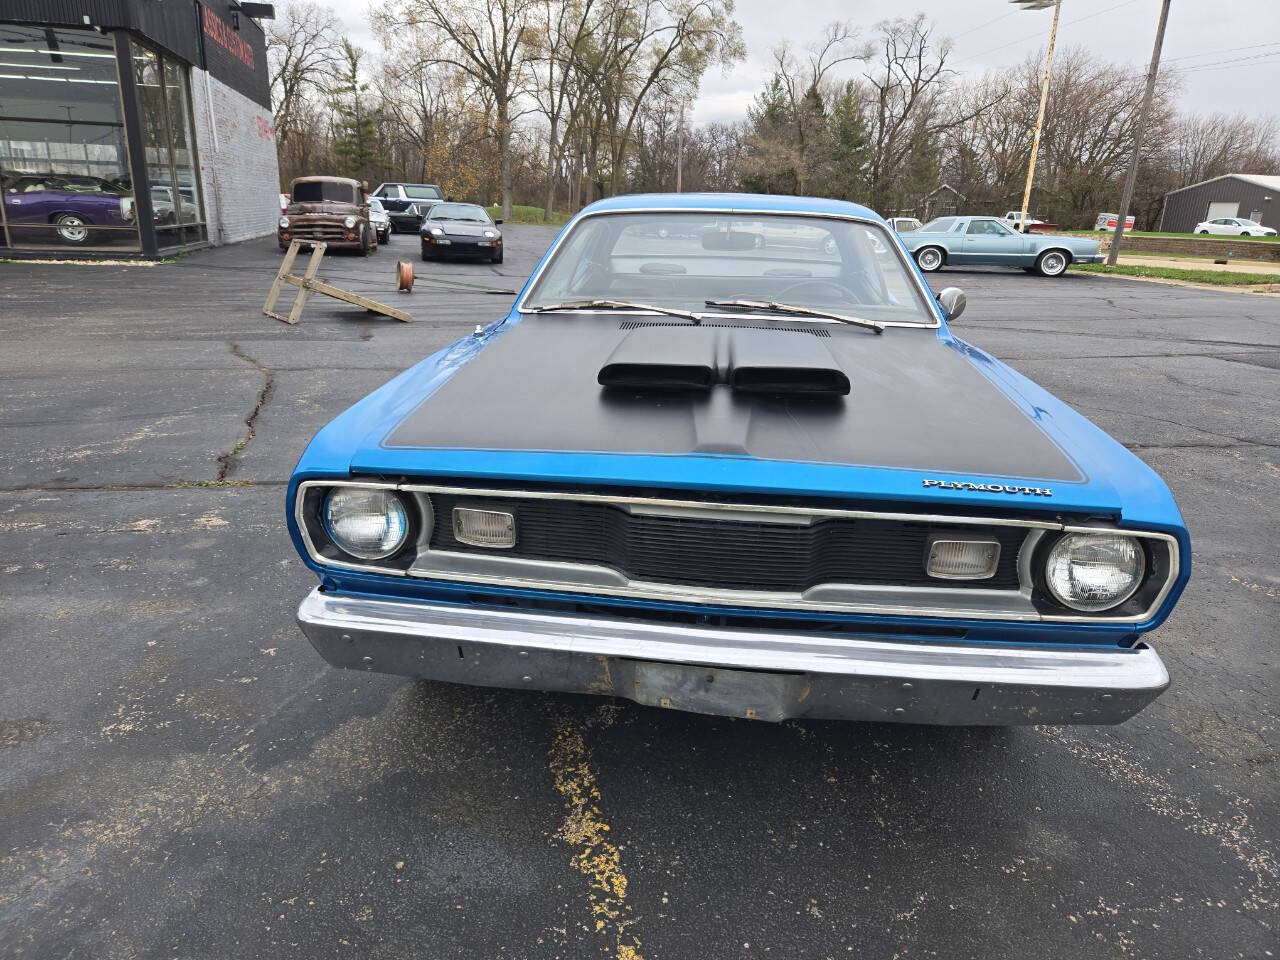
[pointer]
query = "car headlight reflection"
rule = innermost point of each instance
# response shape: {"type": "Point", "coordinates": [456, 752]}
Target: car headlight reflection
{"type": "Point", "coordinates": [1092, 572]}
{"type": "Point", "coordinates": [369, 524]}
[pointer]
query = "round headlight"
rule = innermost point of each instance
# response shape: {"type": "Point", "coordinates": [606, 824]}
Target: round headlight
{"type": "Point", "coordinates": [349, 222]}
{"type": "Point", "coordinates": [369, 524]}
{"type": "Point", "coordinates": [1094, 571]}
{"type": "Point", "coordinates": [284, 223]}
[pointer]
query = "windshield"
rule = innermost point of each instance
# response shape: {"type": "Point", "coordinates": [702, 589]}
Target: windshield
{"type": "Point", "coordinates": [375, 205]}
{"type": "Point", "coordinates": [320, 191]}
{"type": "Point", "coordinates": [682, 260]}
{"type": "Point", "coordinates": [941, 225]}
{"type": "Point", "coordinates": [422, 192]}
{"type": "Point", "coordinates": [459, 211]}
{"type": "Point", "coordinates": [1247, 223]}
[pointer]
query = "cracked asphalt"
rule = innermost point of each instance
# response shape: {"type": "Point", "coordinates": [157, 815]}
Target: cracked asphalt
{"type": "Point", "coordinates": [181, 775]}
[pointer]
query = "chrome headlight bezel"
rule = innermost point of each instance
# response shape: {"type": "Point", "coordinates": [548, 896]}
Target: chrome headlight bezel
{"type": "Point", "coordinates": [309, 514]}
{"type": "Point", "coordinates": [284, 223]}
{"type": "Point", "coordinates": [349, 222]}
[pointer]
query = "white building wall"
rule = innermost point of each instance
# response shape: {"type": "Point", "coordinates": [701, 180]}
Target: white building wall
{"type": "Point", "coordinates": [239, 171]}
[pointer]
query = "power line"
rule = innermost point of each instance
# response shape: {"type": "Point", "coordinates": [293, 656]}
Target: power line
{"type": "Point", "coordinates": [1260, 59]}
{"type": "Point", "coordinates": [1189, 56]}
{"type": "Point", "coordinates": [1033, 36]}
{"type": "Point", "coordinates": [987, 24]}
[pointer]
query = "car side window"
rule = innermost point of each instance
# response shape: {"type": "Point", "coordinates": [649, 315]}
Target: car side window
{"type": "Point", "coordinates": [958, 228]}
{"type": "Point", "coordinates": [984, 228]}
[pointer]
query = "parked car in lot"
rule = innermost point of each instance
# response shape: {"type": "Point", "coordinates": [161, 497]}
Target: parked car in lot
{"type": "Point", "coordinates": [460, 230]}
{"type": "Point", "coordinates": [1234, 227]}
{"type": "Point", "coordinates": [904, 224]}
{"type": "Point", "coordinates": [988, 241]}
{"type": "Point", "coordinates": [332, 209]}
{"type": "Point", "coordinates": [380, 220]}
{"type": "Point", "coordinates": [63, 208]}
{"type": "Point", "coordinates": [402, 201]}
{"type": "Point", "coordinates": [1014, 219]}
{"type": "Point", "coordinates": [758, 481]}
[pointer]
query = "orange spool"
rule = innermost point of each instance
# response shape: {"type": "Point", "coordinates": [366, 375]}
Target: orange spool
{"type": "Point", "coordinates": [404, 276]}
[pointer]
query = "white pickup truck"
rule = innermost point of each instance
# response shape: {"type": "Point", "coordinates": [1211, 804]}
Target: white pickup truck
{"type": "Point", "coordinates": [1014, 219]}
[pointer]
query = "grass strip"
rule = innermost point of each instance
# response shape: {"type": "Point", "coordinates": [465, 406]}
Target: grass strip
{"type": "Point", "coordinates": [1220, 278]}
{"type": "Point", "coordinates": [525, 214]}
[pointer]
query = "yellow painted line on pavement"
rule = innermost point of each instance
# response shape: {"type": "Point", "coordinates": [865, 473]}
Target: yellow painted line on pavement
{"type": "Point", "coordinates": [596, 857]}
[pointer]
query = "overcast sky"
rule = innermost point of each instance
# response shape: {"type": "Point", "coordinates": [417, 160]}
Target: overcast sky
{"type": "Point", "coordinates": [1207, 34]}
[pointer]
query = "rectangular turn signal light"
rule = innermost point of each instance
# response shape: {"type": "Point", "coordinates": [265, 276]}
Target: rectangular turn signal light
{"type": "Point", "coordinates": [484, 528]}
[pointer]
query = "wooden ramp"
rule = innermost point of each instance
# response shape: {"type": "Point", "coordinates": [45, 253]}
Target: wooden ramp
{"type": "Point", "coordinates": [308, 284]}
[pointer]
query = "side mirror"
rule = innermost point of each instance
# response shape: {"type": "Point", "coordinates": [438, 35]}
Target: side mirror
{"type": "Point", "coordinates": [498, 222]}
{"type": "Point", "coordinates": [952, 300]}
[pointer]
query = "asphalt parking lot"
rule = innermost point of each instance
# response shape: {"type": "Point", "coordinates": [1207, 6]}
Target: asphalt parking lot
{"type": "Point", "coordinates": [182, 776]}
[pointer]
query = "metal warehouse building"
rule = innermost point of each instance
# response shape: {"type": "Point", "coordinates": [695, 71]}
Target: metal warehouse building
{"type": "Point", "coordinates": [134, 126]}
{"type": "Point", "coordinates": [1247, 195]}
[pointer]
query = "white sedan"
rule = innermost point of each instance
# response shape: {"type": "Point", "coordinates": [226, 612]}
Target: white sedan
{"type": "Point", "coordinates": [1234, 227]}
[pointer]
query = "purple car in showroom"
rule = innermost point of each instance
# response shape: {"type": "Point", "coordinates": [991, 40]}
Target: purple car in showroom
{"type": "Point", "coordinates": [72, 209]}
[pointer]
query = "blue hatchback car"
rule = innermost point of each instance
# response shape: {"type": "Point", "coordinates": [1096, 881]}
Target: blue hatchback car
{"type": "Point", "coordinates": [724, 455]}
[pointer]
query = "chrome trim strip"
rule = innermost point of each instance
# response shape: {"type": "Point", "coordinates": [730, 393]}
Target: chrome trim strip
{"type": "Point", "coordinates": [678, 506]}
{"type": "Point", "coordinates": [745, 598]}
{"type": "Point", "coordinates": [922, 288]}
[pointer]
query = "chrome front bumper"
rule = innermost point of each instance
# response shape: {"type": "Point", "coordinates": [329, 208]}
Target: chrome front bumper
{"type": "Point", "coordinates": [761, 674]}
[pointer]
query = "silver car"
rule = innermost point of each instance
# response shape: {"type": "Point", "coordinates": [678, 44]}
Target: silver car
{"type": "Point", "coordinates": [380, 219]}
{"type": "Point", "coordinates": [988, 241]}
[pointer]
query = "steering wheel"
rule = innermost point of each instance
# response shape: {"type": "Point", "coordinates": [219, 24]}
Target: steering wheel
{"type": "Point", "coordinates": [845, 292]}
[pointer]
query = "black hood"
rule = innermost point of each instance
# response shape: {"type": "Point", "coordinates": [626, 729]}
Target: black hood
{"type": "Point", "coordinates": [913, 402]}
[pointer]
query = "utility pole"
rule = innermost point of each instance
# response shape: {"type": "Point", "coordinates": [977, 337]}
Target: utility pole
{"type": "Point", "coordinates": [1129, 181]}
{"type": "Point", "coordinates": [680, 153]}
{"type": "Point", "coordinates": [1044, 99]}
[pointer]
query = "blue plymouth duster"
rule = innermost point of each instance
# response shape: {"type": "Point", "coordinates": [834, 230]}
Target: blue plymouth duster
{"type": "Point", "coordinates": [724, 455]}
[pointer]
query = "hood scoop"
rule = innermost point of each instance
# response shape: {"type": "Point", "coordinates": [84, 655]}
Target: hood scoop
{"type": "Point", "coordinates": [669, 358]}
{"type": "Point", "coordinates": [749, 360]}
{"type": "Point", "coordinates": [793, 366]}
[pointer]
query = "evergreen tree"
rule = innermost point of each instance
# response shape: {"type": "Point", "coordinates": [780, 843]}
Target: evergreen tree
{"type": "Point", "coordinates": [850, 145]}
{"type": "Point", "coordinates": [355, 130]}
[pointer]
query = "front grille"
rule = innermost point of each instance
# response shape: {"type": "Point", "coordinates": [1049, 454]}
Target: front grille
{"type": "Point", "coordinates": [732, 554]}
{"type": "Point", "coordinates": [317, 231]}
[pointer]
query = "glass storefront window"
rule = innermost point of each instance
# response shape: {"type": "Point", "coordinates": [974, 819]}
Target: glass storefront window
{"type": "Point", "coordinates": [64, 161]}
{"type": "Point", "coordinates": [164, 102]}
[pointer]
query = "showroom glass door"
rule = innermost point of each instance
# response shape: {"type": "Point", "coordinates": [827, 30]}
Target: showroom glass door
{"type": "Point", "coordinates": [164, 107]}
{"type": "Point", "coordinates": [64, 159]}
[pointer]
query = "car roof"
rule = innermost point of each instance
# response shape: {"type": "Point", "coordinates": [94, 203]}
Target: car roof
{"type": "Point", "coordinates": [732, 203]}
{"type": "Point", "coordinates": [346, 180]}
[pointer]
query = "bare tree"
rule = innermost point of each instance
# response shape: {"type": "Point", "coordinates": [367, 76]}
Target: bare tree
{"type": "Point", "coordinates": [486, 40]}
{"type": "Point", "coordinates": [642, 47]}
{"type": "Point", "coordinates": [560, 36]}
{"type": "Point", "coordinates": [303, 48]}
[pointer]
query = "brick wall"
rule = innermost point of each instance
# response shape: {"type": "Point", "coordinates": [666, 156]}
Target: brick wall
{"type": "Point", "coordinates": [238, 167]}
{"type": "Point", "coordinates": [1234, 248]}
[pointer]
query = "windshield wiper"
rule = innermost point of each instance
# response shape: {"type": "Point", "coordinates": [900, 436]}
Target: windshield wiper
{"type": "Point", "coordinates": [797, 311]}
{"type": "Point", "coordinates": [618, 305]}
